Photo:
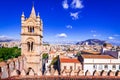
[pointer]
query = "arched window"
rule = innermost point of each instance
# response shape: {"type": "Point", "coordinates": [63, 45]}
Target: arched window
{"type": "Point", "coordinates": [71, 67]}
{"type": "Point", "coordinates": [31, 46]}
{"type": "Point", "coordinates": [28, 45]}
{"type": "Point", "coordinates": [113, 66]}
{"type": "Point", "coordinates": [28, 29]}
{"type": "Point", "coordinates": [31, 29]}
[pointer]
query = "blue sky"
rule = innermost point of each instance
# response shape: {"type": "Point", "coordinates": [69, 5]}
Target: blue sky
{"type": "Point", "coordinates": [68, 20]}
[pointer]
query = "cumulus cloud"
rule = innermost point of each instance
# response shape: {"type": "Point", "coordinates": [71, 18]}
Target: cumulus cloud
{"type": "Point", "coordinates": [77, 4]}
{"type": "Point", "coordinates": [65, 4]}
{"type": "Point", "coordinates": [62, 35]}
{"type": "Point", "coordinates": [75, 15]}
{"type": "Point", "coordinates": [74, 4]}
{"type": "Point", "coordinates": [69, 26]}
{"type": "Point", "coordinates": [111, 38]}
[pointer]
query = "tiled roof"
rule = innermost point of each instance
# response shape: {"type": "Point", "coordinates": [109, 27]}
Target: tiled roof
{"type": "Point", "coordinates": [90, 52]}
{"type": "Point", "coordinates": [69, 60]}
{"type": "Point", "coordinates": [97, 56]}
{"type": "Point", "coordinates": [52, 52]}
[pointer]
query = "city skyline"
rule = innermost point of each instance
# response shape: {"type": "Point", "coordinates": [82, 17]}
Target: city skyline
{"type": "Point", "coordinates": [65, 20]}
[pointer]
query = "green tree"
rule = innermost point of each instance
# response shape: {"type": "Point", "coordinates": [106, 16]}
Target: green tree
{"type": "Point", "coordinates": [45, 56]}
{"type": "Point", "coordinates": [78, 53]}
{"type": "Point", "coordinates": [55, 59]}
{"type": "Point", "coordinates": [7, 53]}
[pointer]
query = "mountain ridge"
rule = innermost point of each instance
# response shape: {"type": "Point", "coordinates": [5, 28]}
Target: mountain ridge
{"type": "Point", "coordinates": [91, 42]}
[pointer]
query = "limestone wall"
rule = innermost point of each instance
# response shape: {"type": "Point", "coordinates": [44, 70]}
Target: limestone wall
{"type": "Point", "coordinates": [8, 68]}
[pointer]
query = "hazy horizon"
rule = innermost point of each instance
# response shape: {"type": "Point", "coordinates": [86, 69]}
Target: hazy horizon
{"type": "Point", "coordinates": [64, 20]}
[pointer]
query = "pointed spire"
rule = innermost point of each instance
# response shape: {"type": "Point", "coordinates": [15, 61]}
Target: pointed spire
{"type": "Point", "coordinates": [33, 14]}
{"type": "Point", "coordinates": [38, 15]}
{"type": "Point", "coordinates": [23, 14]}
{"type": "Point", "coordinates": [38, 18]}
{"type": "Point", "coordinates": [22, 17]}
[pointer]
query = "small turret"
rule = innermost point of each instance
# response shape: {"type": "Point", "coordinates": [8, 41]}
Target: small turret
{"type": "Point", "coordinates": [22, 18]}
{"type": "Point", "coordinates": [38, 19]}
{"type": "Point", "coordinates": [41, 24]}
{"type": "Point", "coordinates": [38, 16]}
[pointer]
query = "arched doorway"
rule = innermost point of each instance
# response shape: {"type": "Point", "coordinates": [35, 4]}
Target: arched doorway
{"type": "Point", "coordinates": [111, 73]}
{"type": "Point", "coordinates": [87, 73]}
{"type": "Point", "coordinates": [96, 73]}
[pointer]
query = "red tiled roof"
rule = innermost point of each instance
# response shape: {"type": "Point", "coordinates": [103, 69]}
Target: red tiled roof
{"type": "Point", "coordinates": [69, 60]}
{"type": "Point", "coordinates": [52, 52]}
{"type": "Point", "coordinates": [97, 56]}
{"type": "Point", "coordinates": [90, 52]}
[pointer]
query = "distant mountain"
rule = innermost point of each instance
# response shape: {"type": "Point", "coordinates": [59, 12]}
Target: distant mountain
{"type": "Point", "coordinates": [91, 42]}
{"type": "Point", "coordinates": [6, 39]}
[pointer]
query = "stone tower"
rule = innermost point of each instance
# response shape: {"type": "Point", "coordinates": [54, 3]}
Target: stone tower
{"type": "Point", "coordinates": [31, 40]}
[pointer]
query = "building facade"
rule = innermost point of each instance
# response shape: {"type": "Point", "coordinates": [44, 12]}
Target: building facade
{"type": "Point", "coordinates": [31, 40]}
{"type": "Point", "coordinates": [100, 64]}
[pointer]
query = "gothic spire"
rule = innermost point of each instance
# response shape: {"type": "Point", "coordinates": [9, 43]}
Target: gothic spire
{"type": "Point", "coordinates": [33, 14]}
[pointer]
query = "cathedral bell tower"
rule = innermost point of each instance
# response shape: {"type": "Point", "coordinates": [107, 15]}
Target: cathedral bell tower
{"type": "Point", "coordinates": [31, 40]}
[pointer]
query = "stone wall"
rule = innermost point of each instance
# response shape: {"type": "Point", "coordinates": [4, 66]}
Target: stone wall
{"type": "Point", "coordinates": [16, 67]}
{"type": "Point", "coordinates": [8, 68]}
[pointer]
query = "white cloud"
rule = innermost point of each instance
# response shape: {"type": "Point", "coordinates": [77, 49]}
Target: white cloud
{"type": "Point", "coordinates": [75, 15]}
{"type": "Point", "coordinates": [65, 4]}
{"type": "Point", "coordinates": [69, 26]}
{"type": "Point", "coordinates": [62, 35]}
{"type": "Point", "coordinates": [94, 35]}
{"type": "Point", "coordinates": [77, 4]}
{"type": "Point", "coordinates": [111, 38]}
{"type": "Point", "coordinates": [2, 36]}
{"type": "Point", "coordinates": [93, 31]}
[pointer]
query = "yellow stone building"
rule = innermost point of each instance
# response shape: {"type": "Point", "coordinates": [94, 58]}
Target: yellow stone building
{"type": "Point", "coordinates": [31, 40]}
